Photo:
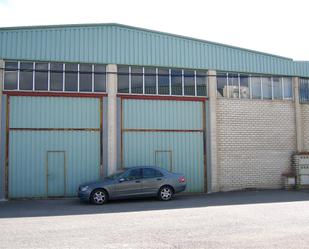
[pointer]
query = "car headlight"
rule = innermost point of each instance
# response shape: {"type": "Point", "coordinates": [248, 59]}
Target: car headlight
{"type": "Point", "coordinates": [84, 188]}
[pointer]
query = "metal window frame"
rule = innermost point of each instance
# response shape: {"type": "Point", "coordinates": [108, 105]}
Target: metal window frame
{"type": "Point", "coordinates": [143, 80]}
{"type": "Point", "coordinates": [18, 76]}
{"type": "Point", "coordinates": [33, 76]}
{"type": "Point", "coordinates": [250, 87]}
{"type": "Point", "coordinates": [157, 81]}
{"type": "Point", "coordinates": [182, 82]}
{"type": "Point", "coordinates": [130, 80]}
{"type": "Point", "coordinates": [195, 84]}
{"type": "Point", "coordinates": [92, 78]}
{"type": "Point", "coordinates": [63, 77]}
{"type": "Point", "coordinates": [238, 86]}
{"type": "Point", "coordinates": [170, 81]}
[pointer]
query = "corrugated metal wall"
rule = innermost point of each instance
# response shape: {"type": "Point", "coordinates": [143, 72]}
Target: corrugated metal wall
{"type": "Point", "coordinates": [113, 43]}
{"type": "Point", "coordinates": [172, 129]}
{"type": "Point", "coordinates": [38, 125]}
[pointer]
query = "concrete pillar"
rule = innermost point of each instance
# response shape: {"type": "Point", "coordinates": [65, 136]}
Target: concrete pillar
{"type": "Point", "coordinates": [214, 170]}
{"type": "Point", "coordinates": [298, 117]}
{"type": "Point", "coordinates": [2, 166]}
{"type": "Point", "coordinates": [111, 87]}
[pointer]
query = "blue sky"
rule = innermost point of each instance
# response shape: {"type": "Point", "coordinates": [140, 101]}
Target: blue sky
{"type": "Point", "coordinates": [277, 27]}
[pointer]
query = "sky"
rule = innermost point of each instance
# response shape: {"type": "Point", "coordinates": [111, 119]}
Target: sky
{"type": "Point", "coordinates": [271, 26]}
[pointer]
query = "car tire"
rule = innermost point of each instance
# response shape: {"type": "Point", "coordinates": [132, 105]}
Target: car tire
{"type": "Point", "coordinates": [99, 197]}
{"type": "Point", "coordinates": [165, 193]}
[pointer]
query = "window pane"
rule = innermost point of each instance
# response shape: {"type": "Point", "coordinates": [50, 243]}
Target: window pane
{"type": "Point", "coordinates": [10, 75]}
{"type": "Point", "coordinates": [233, 88]}
{"type": "Point", "coordinates": [26, 76]}
{"type": "Point", "coordinates": [176, 81]}
{"type": "Point", "coordinates": [266, 86]}
{"type": "Point", "coordinates": [41, 76]}
{"type": "Point", "coordinates": [163, 81]}
{"type": "Point", "coordinates": [287, 87]}
{"type": "Point", "coordinates": [256, 87]}
{"type": "Point", "coordinates": [221, 85]}
{"type": "Point", "coordinates": [244, 86]}
{"type": "Point", "coordinates": [71, 74]}
{"type": "Point", "coordinates": [85, 77]}
{"type": "Point", "coordinates": [136, 80]}
{"type": "Point", "coordinates": [277, 88]}
{"type": "Point", "coordinates": [123, 79]}
{"type": "Point", "coordinates": [201, 83]}
{"type": "Point", "coordinates": [150, 81]}
{"type": "Point", "coordinates": [304, 90]}
{"type": "Point", "coordinates": [56, 76]}
{"type": "Point", "coordinates": [99, 78]}
{"type": "Point", "coordinates": [151, 173]}
{"type": "Point", "coordinates": [189, 82]}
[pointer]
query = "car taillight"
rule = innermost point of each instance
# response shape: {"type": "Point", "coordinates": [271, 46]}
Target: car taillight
{"type": "Point", "coordinates": [182, 179]}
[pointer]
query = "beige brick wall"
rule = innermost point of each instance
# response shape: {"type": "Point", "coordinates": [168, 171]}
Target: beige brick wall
{"type": "Point", "coordinates": [256, 139]}
{"type": "Point", "coordinates": [305, 127]}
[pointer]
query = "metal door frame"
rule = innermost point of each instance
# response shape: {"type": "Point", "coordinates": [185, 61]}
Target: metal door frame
{"type": "Point", "coordinates": [64, 171]}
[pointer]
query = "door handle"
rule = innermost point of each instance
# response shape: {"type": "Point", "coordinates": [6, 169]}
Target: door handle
{"type": "Point", "coordinates": [159, 179]}
{"type": "Point", "coordinates": [137, 181]}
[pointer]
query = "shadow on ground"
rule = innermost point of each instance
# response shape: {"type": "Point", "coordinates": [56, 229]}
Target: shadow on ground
{"type": "Point", "coordinates": [72, 206]}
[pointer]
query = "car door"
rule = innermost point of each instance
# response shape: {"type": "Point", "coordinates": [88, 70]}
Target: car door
{"type": "Point", "coordinates": [130, 184]}
{"type": "Point", "coordinates": [152, 181]}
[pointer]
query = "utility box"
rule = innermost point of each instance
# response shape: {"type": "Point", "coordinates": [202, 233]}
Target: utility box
{"type": "Point", "coordinates": [301, 167]}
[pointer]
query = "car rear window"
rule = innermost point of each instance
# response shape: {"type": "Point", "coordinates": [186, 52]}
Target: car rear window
{"type": "Point", "coordinates": [151, 173]}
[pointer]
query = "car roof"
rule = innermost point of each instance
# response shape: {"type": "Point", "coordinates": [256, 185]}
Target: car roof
{"type": "Point", "coordinates": [142, 167]}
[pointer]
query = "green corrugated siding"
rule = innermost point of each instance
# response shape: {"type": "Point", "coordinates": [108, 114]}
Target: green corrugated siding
{"type": "Point", "coordinates": [139, 147]}
{"type": "Point", "coordinates": [187, 153]}
{"type": "Point", "coordinates": [54, 112]}
{"type": "Point", "coordinates": [28, 148]}
{"type": "Point", "coordinates": [153, 114]}
{"type": "Point", "coordinates": [28, 162]}
{"type": "Point", "coordinates": [112, 43]}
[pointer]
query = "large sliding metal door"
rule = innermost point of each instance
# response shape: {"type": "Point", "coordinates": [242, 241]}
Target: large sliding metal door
{"type": "Point", "coordinates": [54, 145]}
{"type": "Point", "coordinates": [166, 133]}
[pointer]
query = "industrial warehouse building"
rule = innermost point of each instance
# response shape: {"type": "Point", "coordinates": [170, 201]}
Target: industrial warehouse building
{"type": "Point", "coordinates": [80, 101]}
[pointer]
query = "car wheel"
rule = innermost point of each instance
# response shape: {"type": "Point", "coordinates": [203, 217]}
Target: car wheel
{"type": "Point", "coordinates": [165, 193]}
{"type": "Point", "coordinates": [99, 197]}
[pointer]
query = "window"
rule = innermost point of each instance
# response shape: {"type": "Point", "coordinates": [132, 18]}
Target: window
{"type": "Point", "coordinates": [176, 81]}
{"type": "Point", "coordinates": [10, 75]}
{"type": "Point", "coordinates": [151, 173]}
{"type": "Point", "coordinates": [85, 78]}
{"type": "Point", "coordinates": [244, 86]}
{"type": "Point", "coordinates": [150, 81]}
{"type": "Point", "coordinates": [221, 85]}
{"type": "Point", "coordinates": [41, 76]}
{"type": "Point", "coordinates": [256, 87]}
{"type": "Point", "coordinates": [56, 76]}
{"type": "Point", "coordinates": [99, 78]}
{"type": "Point", "coordinates": [277, 88]}
{"type": "Point", "coordinates": [233, 86]}
{"type": "Point", "coordinates": [266, 87]}
{"type": "Point", "coordinates": [123, 79]}
{"type": "Point", "coordinates": [71, 77]}
{"type": "Point", "coordinates": [287, 88]}
{"type": "Point", "coordinates": [163, 81]}
{"type": "Point", "coordinates": [136, 80]}
{"type": "Point", "coordinates": [132, 174]}
{"type": "Point", "coordinates": [26, 76]}
{"type": "Point", "coordinates": [304, 90]}
{"type": "Point", "coordinates": [189, 82]}
{"type": "Point", "coordinates": [201, 83]}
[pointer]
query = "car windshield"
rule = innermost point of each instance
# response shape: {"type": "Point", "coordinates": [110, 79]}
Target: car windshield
{"type": "Point", "coordinates": [115, 175]}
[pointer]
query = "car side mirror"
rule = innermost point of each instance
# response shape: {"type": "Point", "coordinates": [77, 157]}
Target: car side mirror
{"type": "Point", "coordinates": [122, 180]}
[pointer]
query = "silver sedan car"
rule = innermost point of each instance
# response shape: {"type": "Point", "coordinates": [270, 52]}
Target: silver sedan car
{"type": "Point", "coordinates": [144, 181]}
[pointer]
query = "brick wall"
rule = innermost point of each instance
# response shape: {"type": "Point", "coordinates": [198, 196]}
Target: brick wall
{"type": "Point", "coordinates": [305, 127]}
{"type": "Point", "coordinates": [256, 139]}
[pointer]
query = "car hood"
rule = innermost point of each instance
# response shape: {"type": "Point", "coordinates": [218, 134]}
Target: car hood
{"type": "Point", "coordinates": [101, 182]}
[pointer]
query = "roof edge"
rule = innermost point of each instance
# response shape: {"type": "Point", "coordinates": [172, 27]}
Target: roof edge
{"type": "Point", "coordinates": [141, 29]}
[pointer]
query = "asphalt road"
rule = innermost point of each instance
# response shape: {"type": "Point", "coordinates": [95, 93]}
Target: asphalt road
{"type": "Point", "coordinates": [255, 219]}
